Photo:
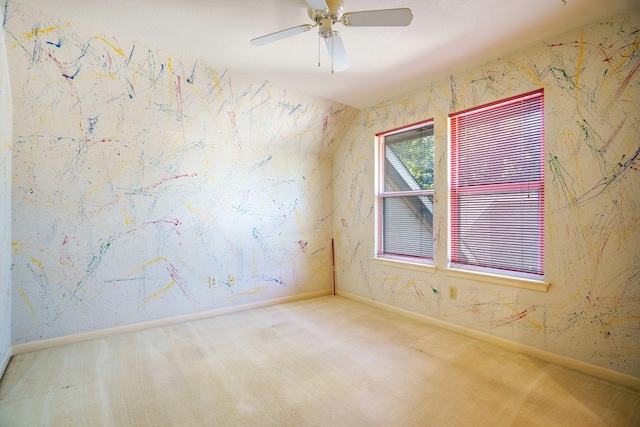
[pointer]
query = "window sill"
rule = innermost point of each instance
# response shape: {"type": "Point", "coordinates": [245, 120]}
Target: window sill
{"type": "Point", "coordinates": [497, 279]}
{"type": "Point", "coordinates": [427, 268]}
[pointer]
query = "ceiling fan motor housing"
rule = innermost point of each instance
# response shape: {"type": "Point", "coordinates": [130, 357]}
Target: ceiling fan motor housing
{"type": "Point", "coordinates": [326, 18]}
{"type": "Point", "coordinates": [335, 9]}
{"type": "Point", "coordinates": [325, 30]}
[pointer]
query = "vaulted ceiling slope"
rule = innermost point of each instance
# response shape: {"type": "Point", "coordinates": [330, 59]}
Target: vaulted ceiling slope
{"type": "Point", "coordinates": [445, 36]}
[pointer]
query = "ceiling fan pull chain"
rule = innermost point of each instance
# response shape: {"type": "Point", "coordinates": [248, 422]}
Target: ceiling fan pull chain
{"type": "Point", "coordinates": [332, 49]}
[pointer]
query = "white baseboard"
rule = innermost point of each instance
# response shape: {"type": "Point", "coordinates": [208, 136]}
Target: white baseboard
{"type": "Point", "coordinates": [109, 332]}
{"type": "Point", "coordinates": [5, 361]}
{"type": "Point", "coordinates": [578, 365]}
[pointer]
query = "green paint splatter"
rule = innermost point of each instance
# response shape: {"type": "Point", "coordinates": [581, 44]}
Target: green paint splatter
{"type": "Point", "coordinates": [95, 260]}
{"type": "Point", "coordinates": [260, 240]}
{"type": "Point", "coordinates": [562, 77]}
{"type": "Point", "coordinates": [560, 179]}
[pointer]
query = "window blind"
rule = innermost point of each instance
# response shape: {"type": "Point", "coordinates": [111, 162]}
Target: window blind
{"type": "Point", "coordinates": [405, 192]}
{"type": "Point", "coordinates": [497, 186]}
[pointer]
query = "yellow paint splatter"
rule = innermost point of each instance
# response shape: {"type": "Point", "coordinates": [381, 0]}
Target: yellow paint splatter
{"type": "Point", "coordinates": [111, 45]}
{"type": "Point", "coordinates": [193, 209]}
{"type": "Point", "coordinates": [408, 285]}
{"type": "Point", "coordinates": [526, 69]}
{"type": "Point", "coordinates": [386, 278]}
{"type": "Point", "coordinates": [155, 295]}
{"type": "Point", "coordinates": [32, 34]}
{"type": "Point", "coordinates": [256, 290]}
{"type": "Point", "coordinates": [625, 56]}
{"type": "Point", "coordinates": [25, 299]}
{"type": "Point", "coordinates": [524, 317]}
{"type": "Point", "coordinates": [42, 31]}
{"type": "Point", "coordinates": [36, 262]}
{"type": "Point", "coordinates": [147, 265]}
{"type": "Point", "coordinates": [99, 76]}
{"type": "Point", "coordinates": [170, 68]}
{"type": "Point", "coordinates": [295, 135]}
{"type": "Point", "coordinates": [623, 320]}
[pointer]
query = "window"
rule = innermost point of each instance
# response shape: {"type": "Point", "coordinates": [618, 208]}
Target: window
{"type": "Point", "coordinates": [405, 192]}
{"type": "Point", "coordinates": [497, 187]}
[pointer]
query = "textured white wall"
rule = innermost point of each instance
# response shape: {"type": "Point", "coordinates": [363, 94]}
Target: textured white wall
{"type": "Point", "coordinates": [138, 174]}
{"type": "Point", "coordinates": [5, 199]}
{"type": "Point", "coordinates": [591, 311]}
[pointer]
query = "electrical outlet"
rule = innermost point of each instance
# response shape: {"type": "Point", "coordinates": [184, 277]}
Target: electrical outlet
{"type": "Point", "coordinates": [232, 280]}
{"type": "Point", "coordinates": [213, 282]}
{"type": "Point", "coordinates": [453, 292]}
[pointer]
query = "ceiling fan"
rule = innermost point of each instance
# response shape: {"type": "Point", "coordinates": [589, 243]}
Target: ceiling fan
{"type": "Point", "coordinates": [325, 13]}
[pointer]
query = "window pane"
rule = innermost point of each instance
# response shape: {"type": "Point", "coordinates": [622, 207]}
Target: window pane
{"type": "Point", "coordinates": [409, 160]}
{"type": "Point", "coordinates": [500, 148]}
{"type": "Point", "coordinates": [499, 231]}
{"type": "Point", "coordinates": [408, 226]}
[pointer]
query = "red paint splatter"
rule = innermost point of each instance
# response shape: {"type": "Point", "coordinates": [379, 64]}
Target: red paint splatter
{"type": "Point", "coordinates": [514, 317]}
{"type": "Point", "coordinates": [606, 145]}
{"type": "Point", "coordinates": [64, 255]}
{"type": "Point", "coordinates": [173, 221]}
{"type": "Point", "coordinates": [623, 85]}
{"type": "Point", "coordinates": [173, 272]}
{"type": "Point", "coordinates": [162, 181]}
{"type": "Point", "coordinates": [303, 245]}
{"type": "Point", "coordinates": [346, 227]}
{"type": "Point", "coordinates": [605, 329]}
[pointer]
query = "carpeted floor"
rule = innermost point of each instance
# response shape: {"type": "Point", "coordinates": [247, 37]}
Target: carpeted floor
{"type": "Point", "coordinates": [326, 361]}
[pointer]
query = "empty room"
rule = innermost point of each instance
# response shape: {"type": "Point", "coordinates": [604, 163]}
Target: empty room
{"type": "Point", "coordinates": [320, 213]}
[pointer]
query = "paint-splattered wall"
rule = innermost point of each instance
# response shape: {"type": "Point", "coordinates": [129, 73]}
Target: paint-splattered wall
{"type": "Point", "coordinates": [138, 174]}
{"type": "Point", "coordinates": [591, 312]}
{"type": "Point", "coordinates": [5, 199]}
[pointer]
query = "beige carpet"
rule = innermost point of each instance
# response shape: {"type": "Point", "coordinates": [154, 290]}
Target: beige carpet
{"type": "Point", "coordinates": [323, 362]}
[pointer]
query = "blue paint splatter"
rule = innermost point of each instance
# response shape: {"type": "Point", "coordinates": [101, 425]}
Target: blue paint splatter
{"type": "Point", "coordinates": [92, 123]}
{"type": "Point", "coordinates": [271, 279]}
{"type": "Point", "coordinates": [56, 44]}
{"type": "Point", "coordinates": [192, 77]}
{"type": "Point", "coordinates": [67, 76]}
{"type": "Point", "coordinates": [131, 53]}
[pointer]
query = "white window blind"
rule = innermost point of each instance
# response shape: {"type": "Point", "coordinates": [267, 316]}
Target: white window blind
{"type": "Point", "coordinates": [405, 192]}
{"type": "Point", "coordinates": [497, 186]}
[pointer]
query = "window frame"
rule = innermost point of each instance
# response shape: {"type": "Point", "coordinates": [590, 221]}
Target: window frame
{"type": "Point", "coordinates": [498, 188]}
{"type": "Point", "coordinates": [381, 194]}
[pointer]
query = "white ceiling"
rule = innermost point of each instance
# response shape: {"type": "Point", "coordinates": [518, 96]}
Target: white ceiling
{"type": "Point", "coordinates": [445, 36]}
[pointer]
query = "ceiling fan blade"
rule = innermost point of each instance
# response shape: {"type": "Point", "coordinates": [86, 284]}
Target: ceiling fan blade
{"type": "Point", "coordinates": [278, 35]}
{"type": "Point", "coordinates": [337, 52]}
{"type": "Point", "coordinates": [317, 4]}
{"type": "Point", "coordinates": [378, 18]}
